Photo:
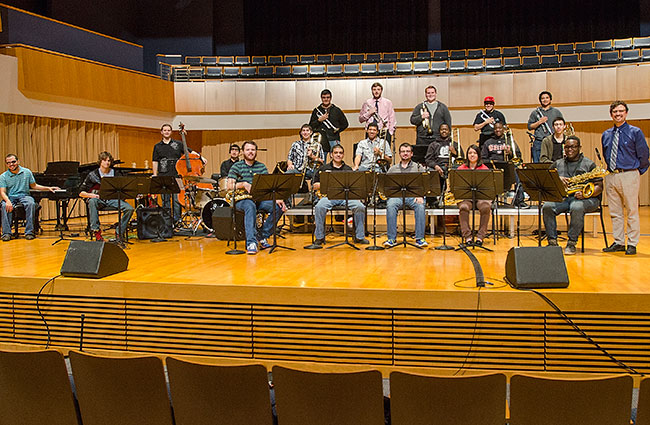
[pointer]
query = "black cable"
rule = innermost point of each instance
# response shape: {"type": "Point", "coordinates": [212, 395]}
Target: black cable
{"type": "Point", "coordinates": [582, 333]}
{"type": "Point", "coordinates": [471, 343]}
{"type": "Point", "coordinates": [38, 308]}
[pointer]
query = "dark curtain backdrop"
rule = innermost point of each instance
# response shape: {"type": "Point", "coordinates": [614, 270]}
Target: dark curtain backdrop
{"type": "Point", "coordinates": [484, 23]}
{"type": "Point", "coordinates": [334, 26]}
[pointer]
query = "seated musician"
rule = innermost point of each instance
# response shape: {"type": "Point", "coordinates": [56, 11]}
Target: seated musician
{"type": "Point", "coordinates": [325, 204]}
{"type": "Point", "coordinates": [437, 156]}
{"type": "Point", "coordinates": [553, 144]}
{"type": "Point", "coordinates": [305, 156]}
{"type": "Point", "coordinates": [90, 191]}
{"type": "Point", "coordinates": [234, 157]}
{"type": "Point", "coordinates": [14, 188]}
{"type": "Point", "coordinates": [473, 162]}
{"type": "Point", "coordinates": [573, 164]}
{"type": "Point", "coordinates": [240, 178]}
{"type": "Point", "coordinates": [496, 148]}
{"type": "Point", "coordinates": [372, 151]}
{"type": "Point", "coordinates": [405, 165]}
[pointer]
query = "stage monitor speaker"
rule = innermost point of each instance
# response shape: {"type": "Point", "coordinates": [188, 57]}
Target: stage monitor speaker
{"type": "Point", "coordinates": [93, 260]}
{"type": "Point", "coordinates": [154, 222]}
{"type": "Point", "coordinates": [222, 224]}
{"type": "Point", "coordinates": [536, 268]}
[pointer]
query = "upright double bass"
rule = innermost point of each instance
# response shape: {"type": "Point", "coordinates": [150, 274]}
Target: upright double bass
{"type": "Point", "coordinates": [190, 164]}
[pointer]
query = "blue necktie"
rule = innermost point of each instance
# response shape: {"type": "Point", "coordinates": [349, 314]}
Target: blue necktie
{"type": "Point", "coordinates": [614, 153]}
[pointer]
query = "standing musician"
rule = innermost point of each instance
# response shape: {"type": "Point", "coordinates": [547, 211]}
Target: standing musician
{"type": "Point", "coordinates": [240, 178]}
{"type": "Point", "coordinates": [573, 164]}
{"type": "Point", "coordinates": [305, 156]}
{"type": "Point", "coordinates": [497, 148]}
{"type": "Point", "coordinates": [90, 191]}
{"type": "Point", "coordinates": [405, 165]}
{"type": "Point", "coordinates": [329, 120]}
{"type": "Point", "coordinates": [484, 121]}
{"type": "Point", "coordinates": [14, 188]}
{"type": "Point", "coordinates": [541, 120]}
{"type": "Point", "coordinates": [437, 156]}
{"type": "Point", "coordinates": [372, 152]}
{"type": "Point", "coordinates": [428, 116]}
{"type": "Point", "coordinates": [379, 110]}
{"type": "Point", "coordinates": [553, 145]}
{"type": "Point", "coordinates": [626, 152]}
{"type": "Point", "coordinates": [324, 204]}
{"type": "Point", "coordinates": [234, 157]}
{"type": "Point", "coordinates": [473, 162]}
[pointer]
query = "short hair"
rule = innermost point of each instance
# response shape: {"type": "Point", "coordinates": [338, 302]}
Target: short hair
{"type": "Point", "coordinates": [376, 84]}
{"type": "Point", "coordinates": [338, 146]}
{"type": "Point", "coordinates": [576, 138]}
{"type": "Point", "coordinates": [166, 125]}
{"type": "Point", "coordinates": [543, 93]}
{"type": "Point", "coordinates": [499, 123]}
{"type": "Point", "coordinates": [405, 145]}
{"type": "Point", "coordinates": [559, 119]}
{"type": "Point", "coordinates": [234, 146]}
{"type": "Point", "coordinates": [617, 103]}
{"type": "Point", "coordinates": [476, 149]}
{"type": "Point", "coordinates": [444, 123]}
{"type": "Point", "coordinates": [373, 124]}
{"type": "Point", "coordinates": [431, 87]}
{"type": "Point", "coordinates": [9, 155]}
{"type": "Point", "coordinates": [104, 155]}
{"type": "Point", "coordinates": [324, 92]}
{"type": "Point", "coordinates": [305, 126]}
{"type": "Point", "coordinates": [249, 142]}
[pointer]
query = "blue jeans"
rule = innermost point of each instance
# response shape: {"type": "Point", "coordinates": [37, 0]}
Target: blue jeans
{"type": "Point", "coordinates": [30, 208]}
{"type": "Point", "coordinates": [393, 205]}
{"type": "Point", "coordinates": [250, 209]}
{"type": "Point", "coordinates": [324, 205]}
{"type": "Point", "coordinates": [577, 209]}
{"type": "Point", "coordinates": [177, 205]}
{"type": "Point", "coordinates": [95, 205]}
{"type": "Point", "coordinates": [536, 151]}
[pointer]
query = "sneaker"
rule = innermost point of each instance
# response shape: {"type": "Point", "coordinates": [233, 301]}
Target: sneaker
{"type": "Point", "coordinates": [319, 242]}
{"type": "Point", "coordinates": [478, 242]}
{"type": "Point", "coordinates": [389, 243]}
{"type": "Point", "coordinates": [570, 248]}
{"type": "Point", "coordinates": [350, 222]}
{"type": "Point", "coordinates": [615, 248]}
{"type": "Point", "coordinates": [30, 237]}
{"type": "Point", "coordinates": [251, 249]}
{"type": "Point", "coordinates": [98, 236]}
{"type": "Point", "coordinates": [421, 243]}
{"type": "Point", "coordinates": [264, 244]}
{"type": "Point", "coordinates": [363, 241]}
{"type": "Point", "coordinates": [631, 250]}
{"type": "Point", "coordinates": [6, 238]}
{"type": "Point", "coordinates": [552, 242]}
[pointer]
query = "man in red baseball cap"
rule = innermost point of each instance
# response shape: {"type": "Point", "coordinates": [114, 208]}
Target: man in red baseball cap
{"type": "Point", "coordinates": [486, 119]}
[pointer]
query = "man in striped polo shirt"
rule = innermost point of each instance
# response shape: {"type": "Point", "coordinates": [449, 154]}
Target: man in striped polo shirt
{"type": "Point", "coordinates": [240, 176]}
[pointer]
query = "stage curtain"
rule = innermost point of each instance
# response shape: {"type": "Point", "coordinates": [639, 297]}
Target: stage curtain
{"type": "Point", "coordinates": [39, 140]}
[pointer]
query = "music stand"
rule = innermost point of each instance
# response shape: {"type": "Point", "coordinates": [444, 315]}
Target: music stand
{"type": "Point", "coordinates": [373, 196]}
{"type": "Point", "coordinates": [346, 185]}
{"type": "Point", "coordinates": [548, 186]}
{"type": "Point", "coordinates": [271, 187]}
{"type": "Point", "coordinates": [164, 185]}
{"type": "Point", "coordinates": [419, 153]}
{"type": "Point", "coordinates": [474, 185]}
{"type": "Point", "coordinates": [405, 185]}
{"type": "Point", "coordinates": [122, 188]}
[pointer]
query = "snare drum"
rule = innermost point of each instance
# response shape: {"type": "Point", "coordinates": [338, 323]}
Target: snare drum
{"type": "Point", "coordinates": [223, 186]}
{"type": "Point", "coordinates": [209, 208]}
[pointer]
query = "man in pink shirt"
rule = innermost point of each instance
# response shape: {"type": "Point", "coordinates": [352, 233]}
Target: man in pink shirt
{"type": "Point", "coordinates": [379, 110]}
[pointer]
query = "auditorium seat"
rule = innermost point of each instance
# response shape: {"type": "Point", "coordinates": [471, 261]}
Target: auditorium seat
{"type": "Point", "coordinates": [441, 55]}
{"type": "Point", "coordinates": [404, 67]}
{"type": "Point", "coordinates": [569, 60]}
{"type": "Point", "coordinates": [641, 42]}
{"type": "Point", "coordinates": [457, 54]}
{"type": "Point", "coordinates": [492, 52]}
{"type": "Point", "coordinates": [565, 48]}
{"type": "Point", "coordinates": [528, 51]}
{"type": "Point", "coordinates": [339, 58]}
{"type": "Point", "coordinates": [389, 57]}
{"type": "Point", "coordinates": [438, 66]}
{"type": "Point", "coordinates": [457, 65]}
{"type": "Point", "coordinates": [543, 401]}
{"type": "Point", "coordinates": [368, 68]}
{"type": "Point", "coordinates": [226, 60]}
{"type": "Point", "coordinates": [300, 70]}
{"type": "Point", "coordinates": [121, 390]}
{"type": "Point", "coordinates": [417, 399]}
{"type": "Point", "coordinates": [213, 72]}
{"type": "Point", "coordinates": [248, 71]}
{"type": "Point", "coordinates": [207, 394]}
{"type": "Point", "coordinates": [474, 53]}
{"type": "Point", "coordinates": [209, 60]}
{"type": "Point", "coordinates": [508, 52]}
{"type": "Point", "coordinates": [548, 49]}
{"type": "Point", "coordinates": [643, 409]}
{"type": "Point", "coordinates": [193, 60]}
{"type": "Point", "coordinates": [631, 55]}
{"type": "Point", "coordinates": [357, 58]}
{"type": "Point", "coordinates": [35, 389]}
{"type": "Point", "coordinates": [421, 67]}
{"type": "Point", "coordinates": [511, 63]}
{"type": "Point", "coordinates": [550, 61]}
{"type": "Point", "coordinates": [274, 60]}
{"type": "Point", "coordinates": [291, 59]}
{"type": "Point", "coordinates": [603, 45]}
{"type": "Point", "coordinates": [423, 55]}
{"type": "Point", "coordinates": [609, 57]}
{"type": "Point", "coordinates": [196, 72]}
{"type": "Point", "coordinates": [307, 59]}
{"type": "Point", "coordinates": [258, 60]}
{"type": "Point", "coordinates": [351, 69]}
{"type": "Point", "coordinates": [588, 59]}
{"type": "Point", "coordinates": [406, 56]}
{"type": "Point", "coordinates": [584, 47]}
{"type": "Point", "coordinates": [493, 64]}
{"type": "Point", "coordinates": [475, 65]}
{"type": "Point", "coordinates": [282, 71]}
{"type": "Point", "coordinates": [354, 398]}
{"type": "Point", "coordinates": [231, 71]}
{"type": "Point", "coordinates": [324, 59]}
{"type": "Point", "coordinates": [242, 60]}
{"type": "Point", "coordinates": [622, 43]}
{"type": "Point", "coordinates": [645, 54]}
{"type": "Point", "coordinates": [386, 68]}
{"type": "Point", "coordinates": [530, 62]}
{"type": "Point", "coordinates": [334, 69]}
{"type": "Point", "coordinates": [265, 71]}
{"type": "Point", "coordinates": [373, 57]}
{"type": "Point", "coordinates": [316, 70]}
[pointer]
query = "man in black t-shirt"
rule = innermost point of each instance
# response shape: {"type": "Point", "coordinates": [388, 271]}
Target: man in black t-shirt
{"type": "Point", "coordinates": [234, 157]}
{"type": "Point", "coordinates": [485, 120]}
{"type": "Point", "coordinates": [165, 154]}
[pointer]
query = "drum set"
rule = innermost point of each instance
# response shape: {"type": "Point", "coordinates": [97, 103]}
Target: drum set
{"type": "Point", "coordinates": [201, 202]}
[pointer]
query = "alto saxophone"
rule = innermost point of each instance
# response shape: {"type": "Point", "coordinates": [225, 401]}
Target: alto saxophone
{"type": "Point", "coordinates": [581, 183]}
{"type": "Point", "coordinates": [238, 194]}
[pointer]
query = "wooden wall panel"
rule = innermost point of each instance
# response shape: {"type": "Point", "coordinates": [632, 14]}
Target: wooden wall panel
{"type": "Point", "coordinates": [280, 96]}
{"type": "Point", "coordinates": [499, 86]}
{"type": "Point", "coordinates": [191, 97]}
{"type": "Point", "coordinates": [527, 86]}
{"type": "Point", "coordinates": [344, 94]}
{"type": "Point", "coordinates": [633, 83]}
{"type": "Point", "coordinates": [466, 90]}
{"type": "Point", "coordinates": [598, 85]}
{"type": "Point", "coordinates": [403, 92]}
{"type": "Point", "coordinates": [565, 86]}
{"type": "Point", "coordinates": [308, 94]}
{"type": "Point", "coordinates": [250, 96]}
{"type": "Point", "coordinates": [220, 97]}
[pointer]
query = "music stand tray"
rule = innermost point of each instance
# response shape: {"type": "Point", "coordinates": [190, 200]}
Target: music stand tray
{"type": "Point", "coordinates": [406, 185]}
{"type": "Point", "coordinates": [346, 185]}
{"type": "Point", "coordinates": [548, 186]}
{"type": "Point", "coordinates": [271, 187]}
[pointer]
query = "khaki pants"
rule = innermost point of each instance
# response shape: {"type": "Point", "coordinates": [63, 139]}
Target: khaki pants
{"type": "Point", "coordinates": [623, 192]}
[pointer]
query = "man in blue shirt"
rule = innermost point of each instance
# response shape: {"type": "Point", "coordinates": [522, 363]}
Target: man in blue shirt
{"type": "Point", "coordinates": [626, 152]}
{"type": "Point", "coordinates": [14, 188]}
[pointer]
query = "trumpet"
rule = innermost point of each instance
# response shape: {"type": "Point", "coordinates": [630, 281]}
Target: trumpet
{"type": "Point", "coordinates": [513, 148]}
{"type": "Point", "coordinates": [426, 123]}
{"type": "Point", "coordinates": [327, 121]}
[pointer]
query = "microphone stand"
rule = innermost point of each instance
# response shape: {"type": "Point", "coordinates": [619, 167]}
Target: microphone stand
{"type": "Point", "coordinates": [234, 250]}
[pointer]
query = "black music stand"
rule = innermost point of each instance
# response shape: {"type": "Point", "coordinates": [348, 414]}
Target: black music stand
{"type": "Point", "coordinates": [374, 196]}
{"type": "Point", "coordinates": [164, 185]}
{"type": "Point", "coordinates": [405, 185]}
{"type": "Point", "coordinates": [346, 185]}
{"type": "Point", "coordinates": [474, 185]}
{"type": "Point", "coordinates": [122, 188]}
{"type": "Point", "coordinates": [419, 153]}
{"type": "Point", "coordinates": [271, 187]}
{"type": "Point", "coordinates": [548, 186]}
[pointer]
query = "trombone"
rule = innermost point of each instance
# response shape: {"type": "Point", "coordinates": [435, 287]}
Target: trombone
{"type": "Point", "coordinates": [460, 158]}
{"type": "Point", "coordinates": [513, 148]}
{"type": "Point", "coordinates": [327, 121]}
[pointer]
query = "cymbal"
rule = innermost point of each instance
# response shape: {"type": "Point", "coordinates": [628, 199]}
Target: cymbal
{"type": "Point", "coordinates": [198, 179]}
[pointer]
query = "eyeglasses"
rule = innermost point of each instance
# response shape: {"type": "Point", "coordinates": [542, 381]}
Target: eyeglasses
{"type": "Point", "coordinates": [566, 147]}
{"type": "Point", "coordinates": [11, 162]}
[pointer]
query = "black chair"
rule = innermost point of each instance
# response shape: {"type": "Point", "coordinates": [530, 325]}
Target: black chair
{"type": "Point", "coordinates": [373, 57]}
{"type": "Point", "coordinates": [291, 59]}
{"type": "Point", "coordinates": [493, 64]}
{"type": "Point", "coordinates": [641, 42]}
{"type": "Point", "coordinates": [274, 60]}
{"type": "Point", "coordinates": [226, 60]}
{"type": "Point", "coordinates": [609, 57]}
{"type": "Point", "coordinates": [265, 71]}
{"type": "Point", "coordinates": [528, 51]}
{"type": "Point", "coordinates": [565, 48]}
{"type": "Point", "coordinates": [404, 67]}
{"type": "Point", "coordinates": [389, 57]}
{"type": "Point", "coordinates": [584, 47]}
{"type": "Point", "coordinates": [307, 59]}
{"type": "Point", "coordinates": [645, 54]}
{"type": "Point", "coordinates": [242, 60]}
{"type": "Point", "coordinates": [457, 54]}
{"type": "Point", "coordinates": [603, 45]}
{"type": "Point", "coordinates": [569, 60]}
{"type": "Point", "coordinates": [475, 65]}
{"type": "Point", "coordinates": [438, 66]}
{"type": "Point", "coordinates": [351, 69]}
{"type": "Point", "coordinates": [386, 68]}
{"type": "Point", "coordinates": [508, 52]}
{"type": "Point", "coordinates": [334, 70]}
{"type": "Point", "coordinates": [632, 55]}
{"type": "Point", "coordinates": [551, 61]}
{"type": "Point", "coordinates": [339, 58]}
{"type": "Point", "coordinates": [548, 49]}
{"type": "Point", "coordinates": [492, 52]}
{"type": "Point", "coordinates": [282, 71]}
{"type": "Point", "coordinates": [441, 55]}
{"type": "Point", "coordinates": [213, 72]}
{"type": "Point", "coordinates": [193, 60]}
{"type": "Point", "coordinates": [457, 65]}
{"type": "Point", "coordinates": [323, 59]}
{"type": "Point", "coordinates": [512, 63]}
{"type": "Point", "coordinates": [231, 71]}
{"type": "Point", "coordinates": [423, 55]}
{"type": "Point", "coordinates": [209, 61]}
{"type": "Point", "coordinates": [588, 59]}
{"type": "Point", "coordinates": [248, 71]}
{"type": "Point", "coordinates": [19, 219]}
{"type": "Point", "coordinates": [406, 56]}
{"type": "Point", "coordinates": [316, 70]}
{"type": "Point", "coordinates": [300, 70]}
{"type": "Point", "coordinates": [421, 67]}
{"type": "Point", "coordinates": [474, 53]}
{"type": "Point", "coordinates": [530, 62]}
{"type": "Point", "coordinates": [622, 43]}
{"type": "Point", "coordinates": [357, 58]}
{"type": "Point", "coordinates": [258, 60]}
{"type": "Point", "coordinates": [368, 68]}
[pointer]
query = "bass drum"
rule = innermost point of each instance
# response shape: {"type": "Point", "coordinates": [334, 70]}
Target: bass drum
{"type": "Point", "coordinates": [209, 208]}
